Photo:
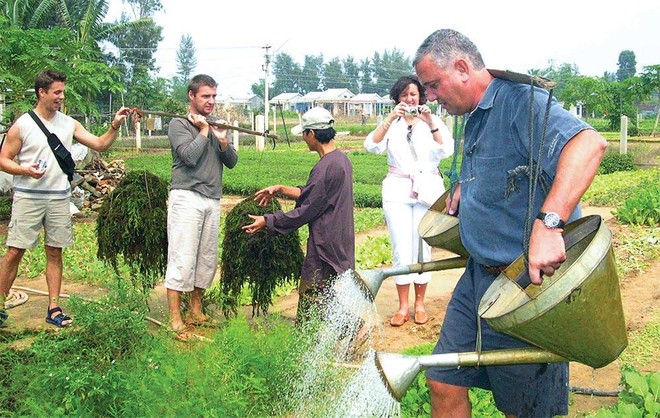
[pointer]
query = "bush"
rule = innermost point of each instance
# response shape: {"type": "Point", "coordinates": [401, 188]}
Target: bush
{"type": "Point", "coordinates": [643, 207]}
{"type": "Point", "coordinates": [262, 261]}
{"type": "Point", "coordinates": [5, 208]}
{"type": "Point", "coordinates": [613, 162]}
{"type": "Point", "coordinates": [132, 225]}
{"type": "Point", "coordinates": [640, 397]}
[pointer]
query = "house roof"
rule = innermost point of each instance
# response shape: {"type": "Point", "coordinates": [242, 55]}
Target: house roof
{"type": "Point", "coordinates": [311, 96]}
{"type": "Point", "coordinates": [284, 97]}
{"type": "Point", "coordinates": [366, 98]}
{"type": "Point", "coordinates": [336, 94]}
{"type": "Point", "coordinates": [386, 99]}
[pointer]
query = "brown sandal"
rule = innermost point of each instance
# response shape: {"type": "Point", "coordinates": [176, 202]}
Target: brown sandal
{"type": "Point", "coordinates": [421, 317]}
{"type": "Point", "coordinates": [399, 319]}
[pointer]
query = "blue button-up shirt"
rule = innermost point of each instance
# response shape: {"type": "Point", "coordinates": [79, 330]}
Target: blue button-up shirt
{"type": "Point", "coordinates": [494, 172]}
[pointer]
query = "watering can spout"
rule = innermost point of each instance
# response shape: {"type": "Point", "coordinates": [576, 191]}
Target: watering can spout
{"type": "Point", "coordinates": [398, 371]}
{"type": "Point", "coordinates": [371, 280]}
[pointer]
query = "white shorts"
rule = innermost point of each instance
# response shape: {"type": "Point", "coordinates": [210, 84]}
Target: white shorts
{"type": "Point", "coordinates": [193, 222]}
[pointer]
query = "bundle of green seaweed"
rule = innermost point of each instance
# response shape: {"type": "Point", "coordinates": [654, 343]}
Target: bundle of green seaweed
{"type": "Point", "coordinates": [263, 261]}
{"type": "Point", "coordinates": [132, 223]}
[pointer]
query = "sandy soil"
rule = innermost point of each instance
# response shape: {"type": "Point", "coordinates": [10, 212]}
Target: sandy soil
{"type": "Point", "coordinates": [640, 294]}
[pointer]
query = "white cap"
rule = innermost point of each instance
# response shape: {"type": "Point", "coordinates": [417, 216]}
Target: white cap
{"type": "Point", "coordinates": [314, 118]}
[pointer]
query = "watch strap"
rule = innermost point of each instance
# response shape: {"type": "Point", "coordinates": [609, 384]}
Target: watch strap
{"type": "Point", "coordinates": [542, 216]}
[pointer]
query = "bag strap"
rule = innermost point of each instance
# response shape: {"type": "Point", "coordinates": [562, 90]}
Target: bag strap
{"type": "Point", "coordinates": [39, 123]}
{"type": "Point", "coordinates": [62, 155]}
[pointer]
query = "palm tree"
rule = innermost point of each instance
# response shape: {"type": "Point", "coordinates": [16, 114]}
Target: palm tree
{"type": "Point", "coordinates": [83, 18]}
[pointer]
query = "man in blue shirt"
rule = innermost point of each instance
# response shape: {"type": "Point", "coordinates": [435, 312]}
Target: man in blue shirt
{"type": "Point", "coordinates": [494, 196]}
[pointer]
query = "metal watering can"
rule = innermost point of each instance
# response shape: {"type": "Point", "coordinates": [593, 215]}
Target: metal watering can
{"type": "Point", "coordinates": [438, 230]}
{"type": "Point", "coordinates": [371, 280]}
{"type": "Point", "coordinates": [575, 315]}
{"type": "Point", "coordinates": [441, 230]}
{"type": "Point", "coordinates": [398, 371]}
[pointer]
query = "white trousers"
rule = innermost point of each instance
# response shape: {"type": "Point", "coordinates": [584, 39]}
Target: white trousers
{"type": "Point", "coordinates": [402, 222]}
{"type": "Point", "coordinates": [193, 222]}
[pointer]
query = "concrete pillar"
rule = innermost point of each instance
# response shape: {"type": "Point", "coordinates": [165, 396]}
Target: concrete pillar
{"type": "Point", "coordinates": [274, 119]}
{"type": "Point", "coordinates": [235, 136]}
{"type": "Point", "coordinates": [138, 136]}
{"type": "Point", "coordinates": [623, 141]}
{"type": "Point", "coordinates": [260, 122]}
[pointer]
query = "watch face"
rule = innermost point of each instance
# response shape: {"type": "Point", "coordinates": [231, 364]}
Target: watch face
{"type": "Point", "coordinates": [551, 220]}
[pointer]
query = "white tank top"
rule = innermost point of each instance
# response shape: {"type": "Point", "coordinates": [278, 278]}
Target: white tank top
{"type": "Point", "coordinates": [34, 147]}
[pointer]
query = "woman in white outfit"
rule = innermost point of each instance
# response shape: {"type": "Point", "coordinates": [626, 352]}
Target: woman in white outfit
{"type": "Point", "coordinates": [415, 141]}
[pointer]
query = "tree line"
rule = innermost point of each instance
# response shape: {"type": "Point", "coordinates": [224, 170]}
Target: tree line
{"type": "Point", "coordinates": [112, 63]}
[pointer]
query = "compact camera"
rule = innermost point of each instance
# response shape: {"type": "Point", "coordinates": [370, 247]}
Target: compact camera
{"type": "Point", "coordinates": [42, 165]}
{"type": "Point", "coordinates": [413, 111]}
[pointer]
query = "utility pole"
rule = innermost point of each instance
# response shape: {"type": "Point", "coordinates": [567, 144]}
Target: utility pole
{"type": "Point", "coordinates": [266, 70]}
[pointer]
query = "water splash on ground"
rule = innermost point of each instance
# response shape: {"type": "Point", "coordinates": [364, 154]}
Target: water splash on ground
{"type": "Point", "coordinates": [339, 376]}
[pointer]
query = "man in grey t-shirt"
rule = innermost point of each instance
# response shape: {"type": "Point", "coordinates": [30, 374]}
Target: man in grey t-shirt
{"type": "Point", "coordinates": [199, 153]}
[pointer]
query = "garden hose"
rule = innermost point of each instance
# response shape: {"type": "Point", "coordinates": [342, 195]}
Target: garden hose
{"type": "Point", "coordinates": [593, 392]}
{"type": "Point", "coordinates": [22, 297]}
{"type": "Point", "coordinates": [15, 298]}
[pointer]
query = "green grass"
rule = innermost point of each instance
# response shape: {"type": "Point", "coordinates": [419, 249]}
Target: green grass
{"type": "Point", "coordinates": [644, 345]}
{"type": "Point", "coordinates": [111, 365]}
{"type": "Point", "coordinates": [614, 188]}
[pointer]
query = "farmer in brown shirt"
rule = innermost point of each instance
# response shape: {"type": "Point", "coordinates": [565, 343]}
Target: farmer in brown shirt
{"type": "Point", "coordinates": [325, 203]}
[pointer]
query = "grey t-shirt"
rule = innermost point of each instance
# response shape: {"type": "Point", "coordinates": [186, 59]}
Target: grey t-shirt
{"type": "Point", "coordinates": [197, 160]}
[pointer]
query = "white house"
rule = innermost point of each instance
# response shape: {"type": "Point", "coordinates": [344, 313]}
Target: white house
{"type": "Point", "coordinates": [366, 103]}
{"type": "Point", "coordinates": [286, 100]}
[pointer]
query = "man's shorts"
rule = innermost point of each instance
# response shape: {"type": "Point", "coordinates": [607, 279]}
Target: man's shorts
{"type": "Point", "coordinates": [534, 390]}
{"type": "Point", "coordinates": [28, 216]}
{"type": "Point", "coordinates": [193, 221]}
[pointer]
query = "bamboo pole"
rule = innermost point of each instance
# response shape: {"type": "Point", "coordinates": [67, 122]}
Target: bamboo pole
{"type": "Point", "coordinates": [214, 123]}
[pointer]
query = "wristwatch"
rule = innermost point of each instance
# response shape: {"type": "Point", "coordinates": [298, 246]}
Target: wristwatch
{"type": "Point", "coordinates": [551, 220]}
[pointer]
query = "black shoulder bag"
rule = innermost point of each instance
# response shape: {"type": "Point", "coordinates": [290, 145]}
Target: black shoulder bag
{"type": "Point", "coordinates": [62, 155]}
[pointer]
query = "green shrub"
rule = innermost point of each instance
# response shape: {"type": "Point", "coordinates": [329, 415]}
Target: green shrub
{"type": "Point", "coordinates": [613, 162]}
{"type": "Point", "coordinates": [77, 372]}
{"type": "Point", "coordinates": [640, 396]}
{"type": "Point", "coordinates": [613, 189]}
{"type": "Point", "coordinates": [643, 207]}
{"type": "Point", "coordinates": [132, 223]}
{"type": "Point", "coordinates": [5, 208]}
{"type": "Point", "coordinates": [262, 261]}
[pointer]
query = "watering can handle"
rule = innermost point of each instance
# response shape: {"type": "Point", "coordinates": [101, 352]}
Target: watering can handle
{"type": "Point", "coordinates": [571, 237]}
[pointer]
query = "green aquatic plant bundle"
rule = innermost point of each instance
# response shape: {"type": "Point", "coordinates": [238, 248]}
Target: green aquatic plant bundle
{"type": "Point", "coordinates": [132, 224]}
{"type": "Point", "coordinates": [263, 261]}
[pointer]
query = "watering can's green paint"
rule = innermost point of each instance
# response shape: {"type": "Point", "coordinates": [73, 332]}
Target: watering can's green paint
{"type": "Point", "coordinates": [441, 230]}
{"type": "Point", "coordinates": [577, 312]}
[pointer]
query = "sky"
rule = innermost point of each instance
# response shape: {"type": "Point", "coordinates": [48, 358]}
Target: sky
{"type": "Point", "coordinates": [230, 36]}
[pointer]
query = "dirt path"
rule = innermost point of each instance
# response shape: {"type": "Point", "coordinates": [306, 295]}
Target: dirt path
{"type": "Point", "coordinates": [640, 294]}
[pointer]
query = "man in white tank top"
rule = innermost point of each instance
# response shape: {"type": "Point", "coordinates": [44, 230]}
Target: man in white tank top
{"type": "Point", "coordinates": [41, 188]}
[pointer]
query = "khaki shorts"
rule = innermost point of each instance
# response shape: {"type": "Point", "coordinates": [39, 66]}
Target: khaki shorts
{"type": "Point", "coordinates": [28, 216]}
{"type": "Point", "coordinates": [193, 222]}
